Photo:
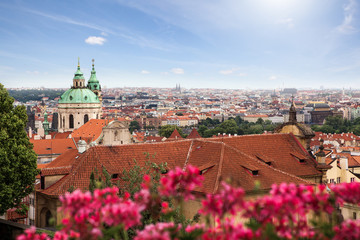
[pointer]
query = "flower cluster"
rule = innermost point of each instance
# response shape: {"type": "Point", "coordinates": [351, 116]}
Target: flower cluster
{"type": "Point", "coordinates": [288, 212]}
{"type": "Point", "coordinates": [180, 183]}
{"type": "Point", "coordinates": [349, 193]}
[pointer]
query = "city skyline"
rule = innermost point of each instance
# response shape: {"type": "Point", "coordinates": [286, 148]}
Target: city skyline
{"type": "Point", "coordinates": [197, 44]}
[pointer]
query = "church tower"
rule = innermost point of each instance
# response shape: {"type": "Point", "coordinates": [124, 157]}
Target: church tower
{"type": "Point", "coordinates": [93, 83]}
{"type": "Point", "coordinates": [79, 104]}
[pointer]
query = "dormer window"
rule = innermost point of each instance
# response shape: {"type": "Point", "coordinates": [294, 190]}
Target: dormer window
{"type": "Point", "coordinates": [114, 176]}
{"type": "Point", "coordinates": [252, 172]}
{"type": "Point", "coordinates": [264, 159]}
{"type": "Point", "coordinates": [301, 159]}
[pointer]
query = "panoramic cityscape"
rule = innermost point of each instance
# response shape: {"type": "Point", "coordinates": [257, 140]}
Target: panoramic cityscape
{"type": "Point", "coordinates": [180, 119]}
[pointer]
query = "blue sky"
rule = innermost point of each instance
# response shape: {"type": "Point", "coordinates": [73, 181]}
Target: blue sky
{"type": "Point", "coordinates": [197, 43]}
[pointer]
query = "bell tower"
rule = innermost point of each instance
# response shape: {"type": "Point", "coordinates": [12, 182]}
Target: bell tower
{"type": "Point", "coordinates": [93, 83]}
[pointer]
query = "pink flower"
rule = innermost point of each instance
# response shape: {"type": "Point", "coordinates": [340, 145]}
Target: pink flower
{"type": "Point", "coordinates": [180, 183]}
{"type": "Point", "coordinates": [30, 234]}
{"type": "Point", "coordinates": [228, 200]}
{"type": "Point", "coordinates": [159, 231]}
{"type": "Point", "coordinates": [349, 230]}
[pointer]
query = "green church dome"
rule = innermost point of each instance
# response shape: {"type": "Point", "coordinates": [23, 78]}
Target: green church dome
{"type": "Point", "coordinates": [79, 95]}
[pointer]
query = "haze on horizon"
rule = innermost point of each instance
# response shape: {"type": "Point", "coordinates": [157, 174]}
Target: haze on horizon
{"type": "Point", "coordinates": [199, 44]}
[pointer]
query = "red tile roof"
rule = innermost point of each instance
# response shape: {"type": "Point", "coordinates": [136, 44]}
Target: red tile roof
{"type": "Point", "coordinates": [52, 146]}
{"type": "Point", "coordinates": [175, 135]}
{"type": "Point", "coordinates": [194, 134]}
{"type": "Point", "coordinates": [92, 129]}
{"type": "Point", "coordinates": [63, 135]}
{"type": "Point", "coordinates": [239, 159]}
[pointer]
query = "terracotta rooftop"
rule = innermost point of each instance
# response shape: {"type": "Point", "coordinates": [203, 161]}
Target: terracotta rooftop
{"type": "Point", "coordinates": [243, 159]}
{"type": "Point", "coordinates": [175, 135]}
{"type": "Point", "coordinates": [52, 146]}
{"type": "Point", "coordinates": [91, 129]}
{"type": "Point", "coordinates": [194, 134]}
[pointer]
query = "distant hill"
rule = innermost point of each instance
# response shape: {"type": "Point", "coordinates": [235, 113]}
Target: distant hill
{"type": "Point", "coordinates": [35, 94]}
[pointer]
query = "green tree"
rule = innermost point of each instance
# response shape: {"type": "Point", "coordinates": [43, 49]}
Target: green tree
{"type": "Point", "coordinates": [17, 158]}
{"type": "Point", "coordinates": [202, 130]}
{"type": "Point", "coordinates": [260, 121]}
{"type": "Point", "coordinates": [100, 183]}
{"type": "Point", "coordinates": [167, 130]}
{"type": "Point", "coordinates": [229, 127]}
{"type": "Point", "coordinates": [134, 125]}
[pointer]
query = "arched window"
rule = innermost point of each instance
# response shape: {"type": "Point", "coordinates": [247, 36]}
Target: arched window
{"type": "Point", "coordinates": [63, 125]}
{"type": "Point", "coordinates": [45, 218]}
{"type": "Point", "coordinates": [116, 136]}
{"type": "Point", "coordinates": [76, 83]}
{"type": "Point", "coordinates": [48, 217]}
{"type": "Point", "coordinates": [71, 121]}
{"type": "Point", "coordinates": [86, 118]}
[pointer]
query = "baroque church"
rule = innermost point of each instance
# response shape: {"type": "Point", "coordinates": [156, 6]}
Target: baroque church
{"type": "Point", "coordinates": [80, 103]}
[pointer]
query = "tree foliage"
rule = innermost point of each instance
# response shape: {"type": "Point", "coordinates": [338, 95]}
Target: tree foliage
{"type": "Point", "coordinates": [34, 94]}
{"type": "Point", "coordinates": [336, 124]}
{"type": "Point", "coordinates": [17, 158]}
{"type": "Point", "coordinates": [167, 130]}
{"type": "Point", "coordinates": [134, 125]}
{"type": "Point", "coordinates": [209, 127]}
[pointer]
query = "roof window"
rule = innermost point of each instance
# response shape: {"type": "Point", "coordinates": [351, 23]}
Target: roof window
{"type": "Point", "coordinates": [252, 172]}
{"type": "Point", "coordinates": [114, 176]}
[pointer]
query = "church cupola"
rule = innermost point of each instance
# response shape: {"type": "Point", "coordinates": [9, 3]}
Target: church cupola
{"type": "Point", "coordinates": [79, 80]}
{"type": "Point", "coordinates": [93, 83]}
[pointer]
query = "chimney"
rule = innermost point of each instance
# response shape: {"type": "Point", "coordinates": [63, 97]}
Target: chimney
{"type": "Point", "coordinates": [320, 156]}
{"type": "Point", "coordinates": [81, 146]}
{"type": "Point", "coordinates": [344, 163]}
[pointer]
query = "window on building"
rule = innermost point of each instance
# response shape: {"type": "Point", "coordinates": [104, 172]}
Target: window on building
{"type": "Point", "coordinates": [42, 182]}
{"type": "Point", "coordinates": [354, 215]}
{"type": "Point", "coordinates": [332, 180]}
{"type": "Point", "coordinates": [71, 121]}
{"type": "Point", "coordinates": [116, 136]}
{"type": "Point", "coordinates": [352, 179]}
{"type": "Point", "coordinates": [338, 180]}
{"type": "Point", "coordinates": [86, 118]}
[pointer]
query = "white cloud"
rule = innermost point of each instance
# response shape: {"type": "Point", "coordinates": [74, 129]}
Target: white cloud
{"type": "Point", "coordinates": [144, 72]}
{"type": "Point", "coordinates": [32, 72]}
{"type": "Point", "coordinates": [272, 78]}
{"type": "Point", "coordinates": [226, 72]}
{"type": "Point", "coordinates": [289, 22]}
{"type": "Point", "coordinates": [92, 40]}
{"type": "Point", "coordinates": [177, 71]}
{"type": "Point", "coordinates": [347, 24]}
{"type": "Point", "coordinates": [232, 71]}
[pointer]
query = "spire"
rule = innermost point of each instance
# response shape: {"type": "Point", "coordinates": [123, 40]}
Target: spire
{"type": "Point", "coordinates": [78, 63]}
{"type": "Point", "coordinates": [292, 112]}
{"type": "Point", "coordinates": [93, 83]}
